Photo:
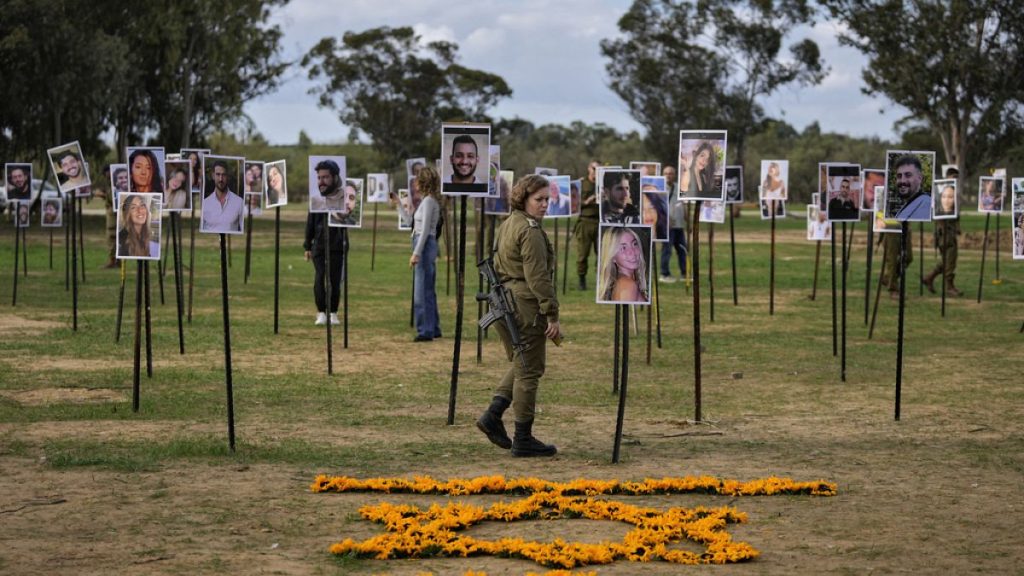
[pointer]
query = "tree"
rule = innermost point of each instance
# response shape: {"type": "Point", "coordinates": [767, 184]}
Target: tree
{"type": "Point", "coordinates": [192, 73]}
{"type": "Point", "coordinates": [685, 65]}
{"type": "Point", "coordinates": [955, 65]}
{"type": "Point", "coordinates": [55, 89]}
{"type": "Point", "coordinates": [390, 86]}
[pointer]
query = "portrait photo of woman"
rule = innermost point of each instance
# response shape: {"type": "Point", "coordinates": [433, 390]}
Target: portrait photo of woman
{"type": "Point", "coordinates": [944, 197]}
{"type": "Point", "coordinates": [145, 170]}
{"type": "Point", "coordinates": [178, 195]}
{"type": "Point", "coordinates": [774, 175]}
{"type": "Point", "coordinates": [277, 185]}
{"type": "Point", "coordinates": [701, 165]}
{"type": "Point", "coordinates": [138, 227]}
{"type": "Point", "coordinates": [622, 265]}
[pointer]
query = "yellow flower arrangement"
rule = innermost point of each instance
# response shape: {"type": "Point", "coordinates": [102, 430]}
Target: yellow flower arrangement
{"type": "Point", "coordinates": [412, 532]}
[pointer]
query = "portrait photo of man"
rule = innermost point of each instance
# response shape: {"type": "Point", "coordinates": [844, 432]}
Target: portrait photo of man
{"type": "Point", "coordinates": [19, 181]}
{"type": "Point", "coordinates": [465, 159]}
{"type": "Point", "coordinates": [223, 207]}
{"type": "Point", "coordinates": [559, 200]}
{"type": "Point", "coordinates": [118, 182]}
{"type": "Point", "coordinates": [909, 185]}
{"type": "Point", "coordinates": [619, 196]}
{"type": "Point", "coordinates": [870, 178]}
{"type": "Point", "coordinates": [843, 193]}
{"type": "Point", "coordinates": [69, 166]}
{"type": "Point", "coordinates": [377, 188]}
{"type": "Point", "coordinates": [734, 184]}
{"type": "Point", "coordinates": [326, 179]}
{"type": "Point", "coordinates": [350, 216]}
{"type": "Point", "coordinates": [51, 215]}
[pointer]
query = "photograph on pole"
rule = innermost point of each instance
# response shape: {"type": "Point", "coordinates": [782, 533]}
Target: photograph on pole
{"type": "Point", "coordinates": [277, 185]}
{"type": "Point", "coordinates": [222, 206]}
{"type": "Point", "coordinates": [559, 199]}
{"type": "Point", "coordinates": [138, 226]}
{"type": "Point", "coordinates": [178, 194]}
{"type": "Point", "coordinates": [775, 180]}
{"type": "Point", "coordinates": [990, 194]}
{"type": "Point", "coordinates": [351, 214]}
{"type": "Point", "coordinates": [654, 205]}
{"type": "Point", "coordinates": [52, 212]}
{"type": "Point", "coordinates": [466, 159]}
{"type": "Point", "coordinates": [623, 265]}
{"type": "Point", "coordinates": [618, 194]}
{"type": "Point", "coordinates": [734, 184]}
{"type": "Point", "coordinates": [701, 170]}
{"type": "Point", "coordinates": [378, 189]}
{"type": "Point", "coordinates": [908, 185]}
{"type": "Point", "coordinates": [69, 166]}
{"type": "Point", "coordinates": [326, 180]}
{"type": "Point", "coordinates": [19, 181]}
{"type": "Point", "coordinates": [947, 205]}
{"type": "Point", "coordinates": [499, 206]}
{"type": "Point", "coordinates": [146, 169]}
{"type": "Point", "coordinates": [843, 186]}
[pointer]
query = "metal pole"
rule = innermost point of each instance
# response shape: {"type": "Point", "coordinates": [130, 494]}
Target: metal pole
{"type": "Point", "coordinates": [817, 263]}
{"type": "Point", "coordinates": [984, 250]}
{"type": "Point", "coordinates": [149, 320]}
{"type": "Point", "coordinates": [846, 262]}
{"type": "Point", "coordinates": [771, 281]}
{"type": "Point", "coordinates": [732, 247]}
{"type": "Point", "coordinates": [620, 415]}
{"type": "Point", "coordinates": [711, 268]}
{"type": "Point", "coordinates": [460, 291]}
{"type": "Point", "coordinates": [867, 277]}
{"type": "Point", "coordinates": [137, 366]}
{"type": "Point", "coordinates": [277, 266]}
{"type": "Point", "coordinates": [903, 296]}
{"type": "Point", "coordinates": [878, 294]}
{"type": "Point", "coordinates": [227, 339]}
{"type": "Point", "coordinates": [373, 241]}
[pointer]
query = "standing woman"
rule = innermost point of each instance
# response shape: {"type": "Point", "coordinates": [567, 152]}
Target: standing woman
{"type": "Point", "coordinates": [424, 256]}
{"type": "Point", "coordinates": [525, 263]}
{"type": "Point", "coordinates": [135, 237]}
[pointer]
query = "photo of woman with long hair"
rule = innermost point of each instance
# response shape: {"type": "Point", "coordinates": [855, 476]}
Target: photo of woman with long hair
{"type": "Point", "coordinates": [144, 168]}
{"type": "Point", "coordinates": [178, 195]}
{"type": "Point", "coordinates": [773, 179]}
{"type": "Point", "coordinates": [622, 267]}
{"type": "Point", "coordinates": [277, 188]}
{"type": "Point", "coordinates": [138, 234]}
{"type": "Point", "coordinates": [702, 164]}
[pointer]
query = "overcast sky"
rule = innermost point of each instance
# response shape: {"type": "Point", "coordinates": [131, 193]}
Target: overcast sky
{"type": "Point", "coordinates": [549, 54]}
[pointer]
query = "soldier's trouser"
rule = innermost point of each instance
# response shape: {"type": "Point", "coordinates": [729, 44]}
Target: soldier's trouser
{"type": "Point", "coordinates": [948, 252]}
{"type": "Point", "coordinates": [586, 240]}
{"type": "Point", "coordinates": [520, 383]}
{"type": "Point", "coordinates": [891, 243]}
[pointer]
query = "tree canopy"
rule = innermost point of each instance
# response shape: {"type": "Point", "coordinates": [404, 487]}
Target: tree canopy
{"type": "Point", "coordinates": [955, 65]}
{"type": "Point", "coordinates": [390, 85]}
{"type": "Point", "coordinates": [685, 65]}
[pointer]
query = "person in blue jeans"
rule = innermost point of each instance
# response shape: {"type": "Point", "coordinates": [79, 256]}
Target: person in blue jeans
{"type": "Point", "coordinates": [676, 230]}
{"type": "Point", "coordinates": [424, 256]}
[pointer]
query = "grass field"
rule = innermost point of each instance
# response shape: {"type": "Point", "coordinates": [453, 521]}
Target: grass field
{"type": "Point", "coordinates": [87, 486]}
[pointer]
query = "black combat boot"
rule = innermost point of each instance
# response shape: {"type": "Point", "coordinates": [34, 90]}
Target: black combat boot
{"type": "Point", "coordinates": [490, 422]}
{"type": "Point", "coordinates": [525, 445]}
{"type": "Point", "coordinates": [583, 282]}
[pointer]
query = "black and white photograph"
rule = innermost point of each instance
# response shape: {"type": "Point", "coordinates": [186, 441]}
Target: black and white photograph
{"type": "Point", "coordinates": [734, 184]}
{"type": "Point", "coordinates": [277, 184]}
{"type": "Point", "coordinates": [69, 166]}
{"type": "Point", "coordinates": [138, 226]}
{"type": "Point", "coordinates": [623, 265]}
{"type": "Point", "coordinates": [326, 179]}
{"type": "Point", "coordinates": [465, 159]}
{"type": "Point", "coordinates": [222, 206]}
{"type": "Point", "coordinates": [766, 213]}
{"type": "Point", "coordinates": [908, 185]}
{"type": "Point", "coordinates": [702, 164]}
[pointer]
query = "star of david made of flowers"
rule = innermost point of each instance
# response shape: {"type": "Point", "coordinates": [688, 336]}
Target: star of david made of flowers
{"type": "Point", "coordinates": [415, 533]}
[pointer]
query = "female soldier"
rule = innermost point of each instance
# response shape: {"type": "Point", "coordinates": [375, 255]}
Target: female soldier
{"type": "Point", "coordinates": [525, 263]}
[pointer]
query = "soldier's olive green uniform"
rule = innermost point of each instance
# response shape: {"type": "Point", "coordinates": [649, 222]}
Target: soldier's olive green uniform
{"type": "Point", "coordinates": [946, 232]}
{"type": "Point", "coordinates": [525, 262]}
{"type": "Point", "coordinates": [891, 244]}
{"type": "Point", "coordinates": [586, 227]}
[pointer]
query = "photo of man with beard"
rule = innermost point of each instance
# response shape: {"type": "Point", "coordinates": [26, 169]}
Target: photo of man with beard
{"type": "Point", "coordinates": [465, 150]}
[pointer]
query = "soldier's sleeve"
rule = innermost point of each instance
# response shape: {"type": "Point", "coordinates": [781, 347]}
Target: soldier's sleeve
{"type": "Point", "coordinates": [535, 272]}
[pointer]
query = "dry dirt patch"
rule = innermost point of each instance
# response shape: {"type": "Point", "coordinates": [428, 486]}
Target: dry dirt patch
{"type": "Point", "coordinates": [45, 396]}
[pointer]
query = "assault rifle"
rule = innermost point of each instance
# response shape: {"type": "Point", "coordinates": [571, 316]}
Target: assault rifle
{"type": "Point", "coordinates": [500, 306]}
